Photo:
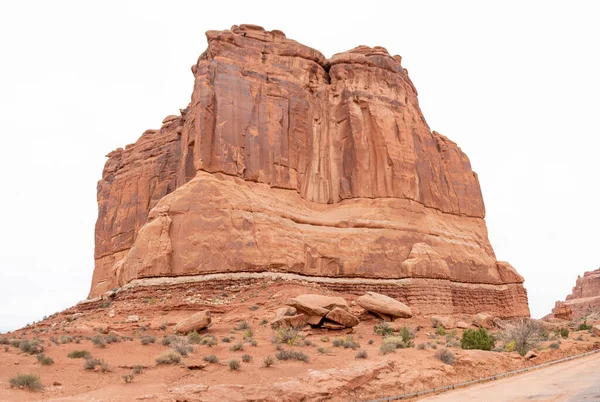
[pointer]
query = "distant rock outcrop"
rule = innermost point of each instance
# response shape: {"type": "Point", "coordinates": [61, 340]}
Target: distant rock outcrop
{"type": "Point", "coordinates": [583, 300]}
{"type": "Point", "coordinates": [287, 162]}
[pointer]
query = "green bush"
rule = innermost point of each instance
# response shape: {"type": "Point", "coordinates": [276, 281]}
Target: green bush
{"type": "Point", "coordinates": [27, 381]}
{"type": "Point", "coordinates": [477, 339]}
{"type": "Point", "coordinates": [564, 332]}
{"type": "Point", "coordinates": [382, 328]}
{"type": "Point", "coordinates": [584, 327]}
{"type": "Point", "coordinates": [289, 336]}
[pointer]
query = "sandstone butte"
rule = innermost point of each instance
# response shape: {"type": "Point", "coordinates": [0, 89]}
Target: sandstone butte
{"type": "Point", "coordinates": [286, 163]}
{"type": "Point", "coordinates": [583, 300]}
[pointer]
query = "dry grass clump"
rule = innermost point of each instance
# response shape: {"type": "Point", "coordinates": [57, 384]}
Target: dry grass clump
{"type": "Point", "coordinates": [26, 381]}
{"type": "Point", "coordinates": [168, 357]}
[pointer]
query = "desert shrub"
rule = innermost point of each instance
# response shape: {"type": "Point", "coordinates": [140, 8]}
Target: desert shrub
{"type": "Point", "coordinates": [510, 346]}
{"type": "Point", "coordinates": [225, 339]}
{"type": "Point", "coordinates": [99, 341]}
{"type": "Point", "coordinates": [350, 343]}
{"type": "Point", "coordinates": [4, 341]}
{"type": "Point", "coordinates": [263, 322]}
{"type": "Point", "coordinates": [137, 369]}
{"type": "Point", "coordinates": [211, 359]}
{"type": "Point", "coordinates": [477, 339]}
{"type": "Point", "coordinates": [168, 357]}
{"type": "Point", "coordinates": [441, 331]}
{"type": "Point", "coordinates": [254, 308]}
{"type": "Point", "coordinates": [564, 332]}
{"type": "Point", "coordinates": [432, 345]}
{"type": "Point", "coordinates": [31, 347]}
{"type": "Point", "coordinates": [580, 338]}
{"type": "Point", "coordinates": [525, 335]}
{"type": "Point", "coordinates": [246, 358]}
{"type": "Point", "coordinates": [361, 354]}
{"type": "Point", "coordinates": [163, 327]}
{"type": "Point", "coordinates": [268, 361]}
{"type": "Point", "coordinates": [241, 325]}
{"type": "Point", "coordinates": [253, 342]}
{"type": "Point", "coordinates": [407, 337]}
{"type": "Point", "coordinates": [291, 355]}
{"type": "Point", "coordinates": [147, 339]}
{"type": "Point", "coordinates": [421, 346]}
{"type": "Point", "coordinates": [248, 334]}
{"type": "Point", "coordinates": [91, 363]}
{"type": "Point", "coordinates": [112, 338]}
{"type": "Point", "coordinates": [307, 342]}
{"type": "Point", "coordinates": [180, 345]}
{"type": "Point", "coordinates": [26, 381]}
{"type": "Point", "coordinates": [127, 378]}
{"type": "Point", "coordinates": [15, 343]}
{"type": "Point", "coordinates": [237, 347]}
{"type": "Point", "coordinates": [386, 348]}
{"type": "Point", "coordinates": [321, 350]}
{"type": "Point", "coordinates": [383, 328]}
{"type": "Point", "coordinates": [584, 327]}
{"type": "Point", "coordinates": [79, 354]}
{"type": "Point", "coordinates": [194, 337]}
{"type": "Point", "coordinates": [446, 356]}
{"type": "Point", "coordinates": [337, 342]}
{"type": "Point", "coordinates": [44, 360]}
{"type": "Point", "coordinates": [289, 336]}
{"type": "Point", "coordinates": [168, 339]}
{"type": "Point", "coordinates": [324, 339]}
{"type": "Point", "coordinates": [66, 339]}
{"type": "Point", "coordinates": [234, 364]}
{"type": "Point", "coordinates": [555, 345]}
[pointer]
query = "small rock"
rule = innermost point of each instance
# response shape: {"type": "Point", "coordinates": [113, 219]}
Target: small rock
{"type": "Point", "coordinates": [132, 318]}
{"type": "Point", "coordinates": [111, 313]}
{"type": "Point", "coordinates": [285, 311]}
{"type": "Point", "coordinates": [530, 355]}
{"type": "Point", "coordinates": [462, 325]}
{"type": "Point", "coordinates": [56, 384]}
{"type": "Point", "coordinates": [332, 325]}
{"type": "Point", "coordinates": [445, 322]}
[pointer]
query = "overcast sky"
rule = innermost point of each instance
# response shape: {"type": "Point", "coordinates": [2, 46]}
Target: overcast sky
{"type": "Point", "coordinates": [516, 84]}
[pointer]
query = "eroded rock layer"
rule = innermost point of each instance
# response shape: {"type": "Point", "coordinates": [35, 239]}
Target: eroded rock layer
{"type": "Point", "coordinates": [286, 161]}
{"type": "Point", "coordinates": [584, 299]}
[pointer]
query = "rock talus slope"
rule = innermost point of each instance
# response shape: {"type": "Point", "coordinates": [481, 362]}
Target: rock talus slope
{"type": "Point", "coordinates": [286, 161]}
{"type": "Point", "coordinates": [583, 300]}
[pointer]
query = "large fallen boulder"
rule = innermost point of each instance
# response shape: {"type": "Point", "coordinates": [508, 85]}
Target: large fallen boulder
{"type": "Point", "coordinates": [342, 317]}
{"type": "Point", "coordinates": [483, 320]}
{"type": "Point", "coordinates": [320, 310]}
{"type": "Point", "coordinates": [289, 321]}
{"type": "Point", "coordinates": [384, 306]}
{"type": "Point", "coordinates": [196, 322]}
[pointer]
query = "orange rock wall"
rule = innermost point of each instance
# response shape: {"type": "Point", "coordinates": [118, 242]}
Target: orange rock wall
{"type": "Point", "coordinates": [286, 161]}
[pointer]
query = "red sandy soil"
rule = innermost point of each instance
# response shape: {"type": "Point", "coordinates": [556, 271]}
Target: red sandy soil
{"type": "Point", "coordinates": [335, 375]}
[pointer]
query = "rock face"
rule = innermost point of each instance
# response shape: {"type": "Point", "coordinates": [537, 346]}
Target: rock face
{"type": "Point", "coordinates": [583, 300]}
{"type": "Point", "coordinates": [285, 161]}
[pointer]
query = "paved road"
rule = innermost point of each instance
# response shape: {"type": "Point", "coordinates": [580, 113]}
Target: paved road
{"type": "Point", "coordinates": [573, 381]}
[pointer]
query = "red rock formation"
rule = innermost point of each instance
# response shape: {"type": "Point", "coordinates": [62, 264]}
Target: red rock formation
{"type": "Point", "coordinates": [584, 299]}
{"type": "Point", "coordinates": [285, 161]}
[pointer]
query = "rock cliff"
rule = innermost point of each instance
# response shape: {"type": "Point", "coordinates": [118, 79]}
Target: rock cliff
{"type": "Point", "coordinates": [287, 162]}
{"type": "Point", "coordinates": [584, 299]}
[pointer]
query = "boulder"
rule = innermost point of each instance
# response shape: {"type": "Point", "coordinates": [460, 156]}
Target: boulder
{"type": "Point", "coordinates": [332, 325]}
{"type": "Point", "coordinates": [384, 306]}
{"type": "Point", "coordinates": [342, 317]}
{"type": "Point", "coordinates": [483, 320]}
{"type": "Point", "coordinates": [196, 322]}
{"type": "Point", "coordinates": [294, 321]}
{"type": "Point", "coordinates": [132, 318]}
{"type": "Point", "coordinates": [530, 355]}
{"type": "Point", "coordinates": [316, 305]}
{"type": "Point", "coordinates": [285, 311]}
{"type": "Point", "coordinates": [462, 325]}
{"type": "Point", "coordinates": [596, 330]}
{"type": "Point", "coordinates": [445, 322]}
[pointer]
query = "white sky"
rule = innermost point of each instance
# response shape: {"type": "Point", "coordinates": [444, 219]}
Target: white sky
{"type": "Point", "coordinates": [516, 84]}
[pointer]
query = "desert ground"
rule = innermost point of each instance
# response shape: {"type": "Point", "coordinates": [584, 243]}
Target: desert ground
{"type": "Point", "coordinates": [127, 333]}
